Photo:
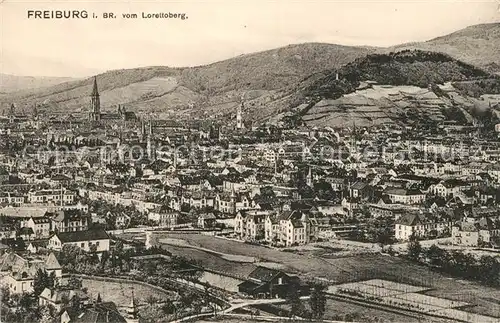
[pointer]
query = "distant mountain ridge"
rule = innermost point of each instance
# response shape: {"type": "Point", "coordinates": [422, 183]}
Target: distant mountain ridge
{"type": "Point", "coordinates": [270, 82]}
{"type": "Point", "coordinates": [478, 45]}
{"type": "Point", "coordinates": [11, 83]}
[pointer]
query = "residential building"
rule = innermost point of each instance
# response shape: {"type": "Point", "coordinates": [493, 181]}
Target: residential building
{"type": "Point", "coordinates": [420, 226]}
{"type": "Point", "coordinates": [86, 240]}
{"type": "Point", "coordinates": [265, 282]}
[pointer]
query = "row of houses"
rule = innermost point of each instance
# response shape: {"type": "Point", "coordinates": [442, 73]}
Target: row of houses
{"type": "Point", "coordinates": [44, 196]}
{"type": "Point", "coordinates": [475, 229]}
{"type": "Point", "coordinates": [285, 227]}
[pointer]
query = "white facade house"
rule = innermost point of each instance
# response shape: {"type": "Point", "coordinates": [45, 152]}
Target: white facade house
{"type": "Point", "coordinates": [82, 239]}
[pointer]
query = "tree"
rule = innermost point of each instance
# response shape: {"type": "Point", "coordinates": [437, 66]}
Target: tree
{"type": "Point", "coordinates": [169, 307]}
{"type": "Point", "coordinates": [292, 296]}
{"type": "Point", "coordinates": [317, 302]}
{"type": "Point", "coordinates": [489, 267]}
{"type": "Point", "coordinates": [151, 300]}
{"type": "Point", "coordinates": [436, 256]}
{"type": "Point", "coordinates": [74, 282]}
{"type": "Point", "coordinates": [26, 302]}
{"type": "Point", "coordinates": [152, 314]}
{"type": "Point", "coordinates": [46, 314]}
{"type": "Point", "coordinates": [51, 280]}
{"type": "Point", "coordinates": [414, 248]}
{"type": "Point", "coordinates": [41, 281]}
{"type": "Point", "coordinates": [4, 294]}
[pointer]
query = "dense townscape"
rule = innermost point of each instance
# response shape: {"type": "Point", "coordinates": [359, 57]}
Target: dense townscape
{"type": "Point", "coordinates": [310, 183]}
{"type": "Point", "coordinates": [106, 200]}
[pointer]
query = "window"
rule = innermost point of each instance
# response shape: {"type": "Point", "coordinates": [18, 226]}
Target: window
{"type": "Point", "coordinates": [97, 244]}
{"type": "Point", "coordinates": [83, 245]}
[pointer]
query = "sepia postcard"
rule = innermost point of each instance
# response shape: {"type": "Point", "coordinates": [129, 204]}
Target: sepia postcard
{"type": "Point", "coordinates": [249, 161]}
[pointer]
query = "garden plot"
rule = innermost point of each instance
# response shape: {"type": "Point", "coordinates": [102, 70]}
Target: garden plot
{"type": "Point", "coordinates": [377, 288]}
{"type": "Point", "coordinates": [408, 297]}
{"type": "Point", "coordinates": [396, 293]}
{"type": "Point", "coordinates": [466, 316]}
{"type": "Point", "coordinates": [423, 303]}
{"type": "Point", "coordinates": [432, 301]}
{"type": "Point", "coordinates": [399, 287]}
{"type": "Point", "coordinates": [363, 290]}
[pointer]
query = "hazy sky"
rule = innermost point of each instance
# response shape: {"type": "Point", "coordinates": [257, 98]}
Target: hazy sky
{"type": "Point", "coordinates": [214, 30]}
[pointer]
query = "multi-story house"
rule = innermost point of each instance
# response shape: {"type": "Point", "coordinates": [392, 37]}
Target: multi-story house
{"type": "Point", "coordinates": [483, 232]}
{"type": "Point", "coordinates": [7, 231]}
{"type": "Point", "coordinates": [69, 221]}
{"type": "Point", "coordinates": [13, 199]}
{"type": "Point", "coordinates": [417, 225]}
{"type": "Point", "coordinates": [41, 226]}
{"type": "Point", "coordinates": [199, 199]}
{"type": "Point", "coordinates": [291, 228]}
{"type": "Point", "coordinates": [60, 196]}
{"type": "Point", "coordinates": [405, 196]}
{"type": "Point", "coordinates": [449, 188]}
{"type": "Point", "coordinates": [233, 202]}
{"type": "Point", "coordinates": [272, 231]}
{"type": "Point", "coordinates": [19, 273]}
{"type": "Point", "coordinates": [164, 216]}
{"type": "Point", "coordinates": [338, 184]}
{"type": "Point", "coordinates": [295, 228]}
{"type": "Point", "coordinates": [206, 221]}
{"type": "Point", "coordinates": [250, 224]}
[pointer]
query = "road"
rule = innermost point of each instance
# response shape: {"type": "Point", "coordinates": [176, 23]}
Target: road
{"type": "Point", "coordinates": [239, 303]}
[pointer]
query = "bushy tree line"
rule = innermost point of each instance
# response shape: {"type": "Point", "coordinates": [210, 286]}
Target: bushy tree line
{"type": "Point", "coordinates": [316, 305]}
{"type": "Point", "coordinates": [485, 269]}
{"type": "Point", "coordinates": [120, 262]}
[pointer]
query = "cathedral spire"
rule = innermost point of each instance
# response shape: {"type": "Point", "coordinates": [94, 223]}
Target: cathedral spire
{"type": "Point", "coordinates": [95, 91]}
{"type": "Point", "coordinates": [95, 103]}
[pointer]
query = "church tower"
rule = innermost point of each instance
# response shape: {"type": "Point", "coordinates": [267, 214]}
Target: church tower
{"type": "Point", "coordinates": [150, 146]}
{"type": "Point", "coordinates": [12, 113]}
{"type": "Point", "coordinates": [309, 178]}
{"type": "Point", "coordinates": [95, 103]}
{"type": "Point", "coordinates": [239, 117]}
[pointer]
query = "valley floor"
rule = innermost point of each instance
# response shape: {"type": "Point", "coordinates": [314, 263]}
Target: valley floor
{"type": "Point", "coordinates": [333, 270]}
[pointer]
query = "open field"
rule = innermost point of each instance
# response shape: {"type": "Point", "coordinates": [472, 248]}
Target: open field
{"type": "Point", "coordinates": [183, 243]}
{"type": "Point", "coordinates": [213, 261]}
{"type": "Point", "coordinates": [338, 270]}
{"type": "Point", "coordinates": [121, 293]}
{"type": "Point", "coordinates": [337, 309]}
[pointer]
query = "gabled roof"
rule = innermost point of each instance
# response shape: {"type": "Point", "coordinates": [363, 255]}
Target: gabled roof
{"type": "Point", "coordinates": [411, 219]}
{"type": "Point", "coordinates": [99, 313]}
{"type": "Point", "coordinates": [263, 274]}
{"type": "Point", "coordinates": [52, 263]}
{"type": "Point", "coordinates": [359, 186]}
{"type": "Point", "coordinates": [76, 236]}
{"type": "Point", "coordinates": [60, 296]}
{"type": "Point", "coordinates": [208, 216]}
{"type": "Point", "coordinates": [402, 192]}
